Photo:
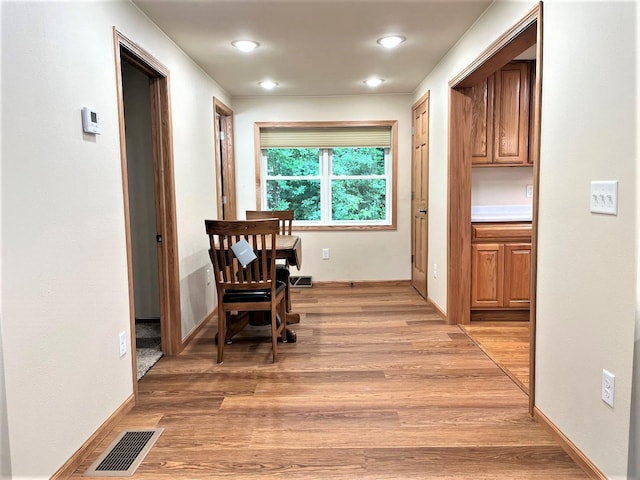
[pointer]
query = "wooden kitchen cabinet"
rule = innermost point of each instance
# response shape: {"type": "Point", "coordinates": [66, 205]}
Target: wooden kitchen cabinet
{"type": "Point", "coordinates": [517, 275]}
{"type": "Point", "coordinates": [501, 266]}
{"type": "Point", "coordinates": [500, 119]}
{"type": "Point", "coordinates": [487, 275]}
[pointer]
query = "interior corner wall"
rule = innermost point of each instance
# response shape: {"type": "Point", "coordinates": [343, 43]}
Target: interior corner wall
{"type": "Point", "coordinates": [586, 295]}
{"type": "Point", "coordinates": [64, 259]}
{"type": "Point", "coordinates": [5, 450]}
{"type": "Point", "coordinates": [350, 251]}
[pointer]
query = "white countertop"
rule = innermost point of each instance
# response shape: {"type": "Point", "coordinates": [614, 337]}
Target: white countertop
{"type": "Point", "coordinates": [501, 213]}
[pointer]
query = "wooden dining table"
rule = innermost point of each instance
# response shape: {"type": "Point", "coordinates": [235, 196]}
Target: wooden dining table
{"type": "Point", "coordinates": [289, 248]}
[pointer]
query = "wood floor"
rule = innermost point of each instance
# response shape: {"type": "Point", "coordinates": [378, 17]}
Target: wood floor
{"type": "Point", "coordinates": [377, 387]}
{"type": "Point", "coordinates": [507, 344]}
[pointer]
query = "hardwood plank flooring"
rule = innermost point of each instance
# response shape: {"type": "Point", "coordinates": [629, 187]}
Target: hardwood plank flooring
{"type": "Point", "coordinates": [507, 344]}
{"type": "Point", "coordinates": [377, 387]}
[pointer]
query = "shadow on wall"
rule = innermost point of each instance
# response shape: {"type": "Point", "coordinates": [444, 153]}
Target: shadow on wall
{"type": "Point", "coordinates": [201, 297]}
{"type": "Point", "coordinates": [5, 464]}
{"type": "Point", "coordinates": [634, 431]}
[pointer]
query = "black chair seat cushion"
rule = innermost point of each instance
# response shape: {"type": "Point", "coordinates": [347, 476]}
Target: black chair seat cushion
{"type": "Point", "coordinates": [252, 295]}
{"type": "Point", "coordinates": [282, 273]}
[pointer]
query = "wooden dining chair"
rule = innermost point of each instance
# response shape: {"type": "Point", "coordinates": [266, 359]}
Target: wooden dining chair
{"type": "Point", "coordinates": [248, 288]}
{"type": "Point", "coordinates": [285, 219]}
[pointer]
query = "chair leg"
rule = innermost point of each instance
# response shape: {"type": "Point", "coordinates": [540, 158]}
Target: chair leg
{"type": "Point", "coordinates": [222, 332]}
{"type": "Point", "coordinates": [282, 307]}
{"type": "Point", "coordinates": [274, 333]}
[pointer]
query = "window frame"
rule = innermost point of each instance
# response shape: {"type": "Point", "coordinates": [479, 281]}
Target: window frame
{"type": "Point", "coordinates": [352, 224]}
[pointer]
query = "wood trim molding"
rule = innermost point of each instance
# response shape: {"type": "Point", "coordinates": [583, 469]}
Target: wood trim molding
{"type": "Point", "coordinates": [363, 283]}
{"type": "Point", "coordinates": [510, 44]}
{"type": "Point", "coordinates": [71, 465]}
{"type": "Point", "coordinates": [568, 446]}
{"type": "Point", "coordinates": [168, 260]}
{"type": "Point", "coordinates": [535, 158]}
{"type": "Point", "coordinates": [459, 208]}
{"type": "Point", "coordinates": [256, 153]}
{"type": "Point", "coordinates": [117, 38]}
{"type": "Point", "coordinates": [225, 166]}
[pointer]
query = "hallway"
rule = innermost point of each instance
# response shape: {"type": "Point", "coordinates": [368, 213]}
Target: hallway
{"type": "Point", "coordinates": [376, 387]}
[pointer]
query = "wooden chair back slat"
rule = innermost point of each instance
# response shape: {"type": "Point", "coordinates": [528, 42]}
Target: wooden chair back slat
{"type": "Point", "coordinates": [285, 218]}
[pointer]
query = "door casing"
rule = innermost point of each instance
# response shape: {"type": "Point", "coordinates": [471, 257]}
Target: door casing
{"type": "Point", "coordinates": [420, 195]}
{"type": "Point", "coordinates": [225, 161]}
{"type": "Point", "coordinates": [161, 129]}
{"type": "Point", "coordinates": [524, 34]}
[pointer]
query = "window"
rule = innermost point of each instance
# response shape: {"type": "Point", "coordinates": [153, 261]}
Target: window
{"type": "Point", "coordinates": [331, 176]}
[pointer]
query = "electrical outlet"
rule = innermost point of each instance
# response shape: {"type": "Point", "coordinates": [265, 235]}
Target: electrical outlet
{"type": "Point", "coordinates": [529, 191]}
{"type": "Point", "coordinates": [123, 343]}
{"type": "Point", "coordinates": [208, 276]}
{"type": "Point", "coordinates": [325, 254]}
{"type": "Point", "coordinates": [608, 387]}
{"type": "Point", "coordinates": [435, 270]}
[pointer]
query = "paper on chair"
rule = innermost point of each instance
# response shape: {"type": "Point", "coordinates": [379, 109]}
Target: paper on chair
{"type": "Point", "coordinates": [243, 252]}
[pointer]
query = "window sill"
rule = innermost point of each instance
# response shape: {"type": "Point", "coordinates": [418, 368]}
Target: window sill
{"type": "Point", "coordinates": [344, 228]}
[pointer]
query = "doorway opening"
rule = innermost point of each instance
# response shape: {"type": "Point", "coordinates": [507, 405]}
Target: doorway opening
{"type": "Point", "coordinates": [522, 36]}
{"type": "Point", "coordinates": [225, 161]}
{"type": "Point", "coordinates": [148, 190]}
{"type": "Point", "coordinates": [420, 194]}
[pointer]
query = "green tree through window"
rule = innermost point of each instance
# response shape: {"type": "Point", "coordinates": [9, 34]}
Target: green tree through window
{"type": "Point", "coordinates": [329, 186]}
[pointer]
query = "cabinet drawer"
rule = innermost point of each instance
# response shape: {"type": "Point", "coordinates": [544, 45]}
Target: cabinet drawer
{"type": "Point", "coordinates": [501, 232]}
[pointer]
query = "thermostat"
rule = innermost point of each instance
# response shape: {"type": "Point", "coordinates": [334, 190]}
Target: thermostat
{"type": "Point", "coordinates": [90, 121]}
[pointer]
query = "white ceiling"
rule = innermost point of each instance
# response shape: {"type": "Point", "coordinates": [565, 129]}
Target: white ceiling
{"type": "Point", "coordinates": [314, 47]}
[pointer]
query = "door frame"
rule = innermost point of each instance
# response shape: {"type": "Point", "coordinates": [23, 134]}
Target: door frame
{"type": "Point", "coordinates": [524, 34]}
{"type": "Point", "coordinates": [161, 130]}
{"type": "Point", "coordinates": [424, 98]}
{"type": "Point", "coordinates": [225, 162]}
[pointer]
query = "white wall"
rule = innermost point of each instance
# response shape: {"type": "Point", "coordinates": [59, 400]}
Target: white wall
{"type": "Point", "coordinates": [586, 297]}
{"type": "Point", "coordinates": [501, 186]}
{"type": "Point", "coordinates": [586, 270]}
{"type": "Point", "coordinates": [634, 436]}
{"type": "Point", "coordinates": [64, 270]}
{"type": "Point", "coordinates": [355, 255]}
{"type": "Point", "coordinates": [5, 450]}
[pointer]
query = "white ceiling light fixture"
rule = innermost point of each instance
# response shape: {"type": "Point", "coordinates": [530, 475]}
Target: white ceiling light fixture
{"type": "Point", "coordinates": [245, 45]}
{"type": "Point", "coordinates": [268, 84]}
{"type": "Point", "coordinates": [391, 41]}
{"type": "Point", "coordinates": [373, 81]}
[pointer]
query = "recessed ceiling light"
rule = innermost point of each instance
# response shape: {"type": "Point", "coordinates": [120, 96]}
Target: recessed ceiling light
{"type": "Point", "coordinates": [245, 45]}
{"type": "Point", "coordinates": [373, 81]}
{"type": "Point", "coordinates": [268, 84]}
{"type": "Point", "coordinates": [391, 41]}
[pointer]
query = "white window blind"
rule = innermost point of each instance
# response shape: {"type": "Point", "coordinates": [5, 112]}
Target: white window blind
{"type": "Point", "coordinates": [325, 137]}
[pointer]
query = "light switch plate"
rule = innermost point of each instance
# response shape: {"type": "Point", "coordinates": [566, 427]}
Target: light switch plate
{"type": "Point", "coordinates": [604, 197]}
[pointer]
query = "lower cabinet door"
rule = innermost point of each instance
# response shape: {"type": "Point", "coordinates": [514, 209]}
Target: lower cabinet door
{"type": "Point", "coordinates": [487, 275]}
{"type": "Point", "coordinates": [517, 274]}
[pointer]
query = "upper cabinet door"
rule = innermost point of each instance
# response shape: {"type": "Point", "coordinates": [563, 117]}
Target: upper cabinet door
{"type": "Point", "coordinates": [511, 115]}
{"type": "Point", "coordinates": [482, 122]}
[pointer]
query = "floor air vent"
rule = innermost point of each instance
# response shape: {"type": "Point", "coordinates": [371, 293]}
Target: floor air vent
{"type": "Point", "coordinates": [300, 281]}
{"type": "Point", "coordinates": [125, 454]}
